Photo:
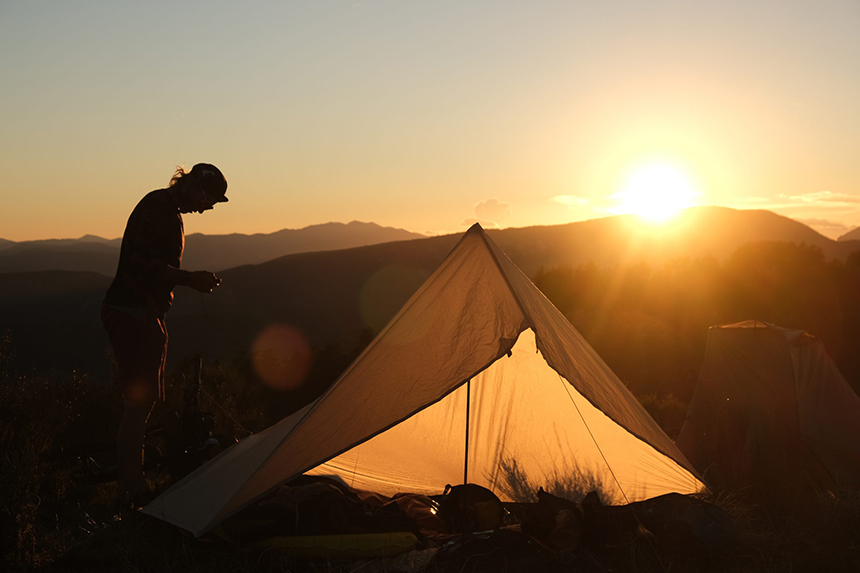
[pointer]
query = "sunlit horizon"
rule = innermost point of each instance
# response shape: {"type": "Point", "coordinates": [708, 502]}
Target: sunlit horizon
{"type": "Point", "coordinates": [425, 117]}
{"type": "Point", "coordinates": [656, 192]}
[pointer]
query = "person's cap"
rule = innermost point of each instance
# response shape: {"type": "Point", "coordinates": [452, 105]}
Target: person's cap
{"type": "Point", "coordinates": [212, 181]}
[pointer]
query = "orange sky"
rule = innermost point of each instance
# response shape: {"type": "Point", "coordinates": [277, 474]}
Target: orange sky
{"type": "Point", "coordinates": [424, 115]}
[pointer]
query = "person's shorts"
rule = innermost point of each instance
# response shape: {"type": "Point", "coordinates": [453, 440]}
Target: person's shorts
{"type": "Point", "coordinates": [139, 341]}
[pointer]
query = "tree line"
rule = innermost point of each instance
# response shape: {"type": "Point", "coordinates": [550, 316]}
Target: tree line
{"type": "Point", "coordinates": [651, 324]}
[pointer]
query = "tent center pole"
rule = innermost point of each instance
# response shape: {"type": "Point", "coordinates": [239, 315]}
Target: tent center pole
{"type": "Point", "coordinates": [466, 459]}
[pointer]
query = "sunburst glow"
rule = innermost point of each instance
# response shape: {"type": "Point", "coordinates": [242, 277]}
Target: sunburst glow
{"type": "Point", "coordinates": [656, 192]}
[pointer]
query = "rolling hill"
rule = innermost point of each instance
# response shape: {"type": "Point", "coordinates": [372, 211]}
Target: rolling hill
{"type": "Point", "coordinates": [853, 235]}
{"type": "Point", "coordinates": [333, 296]}
{"type": "Point", "coordinates": [698, 232]}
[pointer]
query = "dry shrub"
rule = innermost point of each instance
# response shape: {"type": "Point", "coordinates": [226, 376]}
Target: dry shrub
{"type": "Point", "coordinates": [574, 487]}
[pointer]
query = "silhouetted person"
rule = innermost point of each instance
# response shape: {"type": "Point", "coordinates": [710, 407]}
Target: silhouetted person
{"type": "Point", "coordinates": [139, 297]}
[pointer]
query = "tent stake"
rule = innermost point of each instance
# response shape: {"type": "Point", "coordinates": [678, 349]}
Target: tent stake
{"type": "Point", "coordinates": [466, 460]}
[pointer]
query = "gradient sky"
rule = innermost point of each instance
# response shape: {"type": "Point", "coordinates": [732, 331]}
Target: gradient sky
{"type": "Point", "coordinates": [423, 115]}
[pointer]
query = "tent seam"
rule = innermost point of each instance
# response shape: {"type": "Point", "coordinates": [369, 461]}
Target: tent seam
{"type": "Point", "coordinates": [507, 280]}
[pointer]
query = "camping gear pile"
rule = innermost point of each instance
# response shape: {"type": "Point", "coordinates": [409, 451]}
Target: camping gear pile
{"type": "Point", "coordinates": [322, 518]}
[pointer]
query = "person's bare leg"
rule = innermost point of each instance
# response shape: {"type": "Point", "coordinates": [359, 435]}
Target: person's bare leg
{"type": "Point", "coordinates": [129, 450]}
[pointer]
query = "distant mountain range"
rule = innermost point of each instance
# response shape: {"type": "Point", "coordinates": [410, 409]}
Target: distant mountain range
{"type": "Point", "coordinates": [202, 252]}
{"type": "Point", "coordinates": [87, 242]}
{"type": "Point", "coordinates": [332, 296]}
{"type": "Point", "coordinates": [853, 235]}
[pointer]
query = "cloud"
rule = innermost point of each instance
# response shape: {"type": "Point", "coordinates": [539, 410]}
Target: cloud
{"type": "Point", "coordinates": [824, 198]}
{"type": "Point", "coordinates": [570, 200]}
{"type": "Point", "coordinates": [490, 213]}
{"type": "Point", "coordinates": [806, 203]}
{"type": "Point", "coordinates": [493, 210]}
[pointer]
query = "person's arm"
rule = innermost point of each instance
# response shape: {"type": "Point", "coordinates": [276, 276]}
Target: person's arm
{"type": "Point", "coordinates": [201, 281]}
{"type": "Point", "coordinates": [146, 264]}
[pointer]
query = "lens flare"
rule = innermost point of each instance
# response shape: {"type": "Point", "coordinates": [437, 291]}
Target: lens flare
{"type": "Point", "coordinates": [281, 357]}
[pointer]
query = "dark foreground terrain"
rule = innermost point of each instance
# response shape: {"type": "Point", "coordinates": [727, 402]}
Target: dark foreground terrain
{"type": "Point", "coordinates": [52, 520]}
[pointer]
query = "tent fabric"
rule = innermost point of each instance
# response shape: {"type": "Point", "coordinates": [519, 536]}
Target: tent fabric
{"type": "Point", "coordinates": [527, 426]}
{"type": "Point", "coordinates": [771, 406]}
{"type": "Point", "coordinates": [395, 419]}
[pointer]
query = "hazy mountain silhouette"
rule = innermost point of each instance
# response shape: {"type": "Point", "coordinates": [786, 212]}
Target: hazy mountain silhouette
{"type": "Point", "coordinates": [211, 252]}
{"type": "Point", "coordinates": [333, 296]}
{"type": "Point", "coordinates": [853, 235]}
{"type": "Point", "coordinates": [219, 252]}
{"type": "Point", "coordinates": [52, 321]}
{"type": "Point", "coordinates": [88, 254]}
{"type": "Point", "coordinates": [699, 231]}
{"type": "Point", "coordinates": [85, 243]}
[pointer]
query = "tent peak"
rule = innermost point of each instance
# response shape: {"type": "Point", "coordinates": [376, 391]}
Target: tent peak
{"type": "Point", "coordinates": [751, 323]}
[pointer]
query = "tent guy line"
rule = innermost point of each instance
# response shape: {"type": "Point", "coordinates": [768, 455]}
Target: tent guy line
{"type": "Point", "coordinates": [593, 439]}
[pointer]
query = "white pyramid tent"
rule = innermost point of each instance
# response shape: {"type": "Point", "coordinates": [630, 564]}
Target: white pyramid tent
{"type": "Point", "coordinates": [542, 406]}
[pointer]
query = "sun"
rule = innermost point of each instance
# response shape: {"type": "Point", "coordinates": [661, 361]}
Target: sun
{"type": "Point", "coordinates": [656, 192]}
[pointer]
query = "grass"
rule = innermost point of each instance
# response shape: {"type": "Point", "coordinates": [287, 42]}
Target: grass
{"type": "Point", "coordinates": [821, 533]}
{"type": "Point", "coordinates": [75, 529]}
{"type": "Point", "coordinates": [51, 522]}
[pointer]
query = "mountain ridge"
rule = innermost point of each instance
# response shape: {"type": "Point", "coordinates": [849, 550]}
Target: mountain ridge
{"type": "Point", "coordinates": [852, 235]}
{"type": "Point", "coordinates": [333, 296]}
{"type": "Point", "coordinates": [210, 252]}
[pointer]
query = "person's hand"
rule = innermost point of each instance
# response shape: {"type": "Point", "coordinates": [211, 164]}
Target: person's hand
{"type": "Point", "coordinates": [202, 281]}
